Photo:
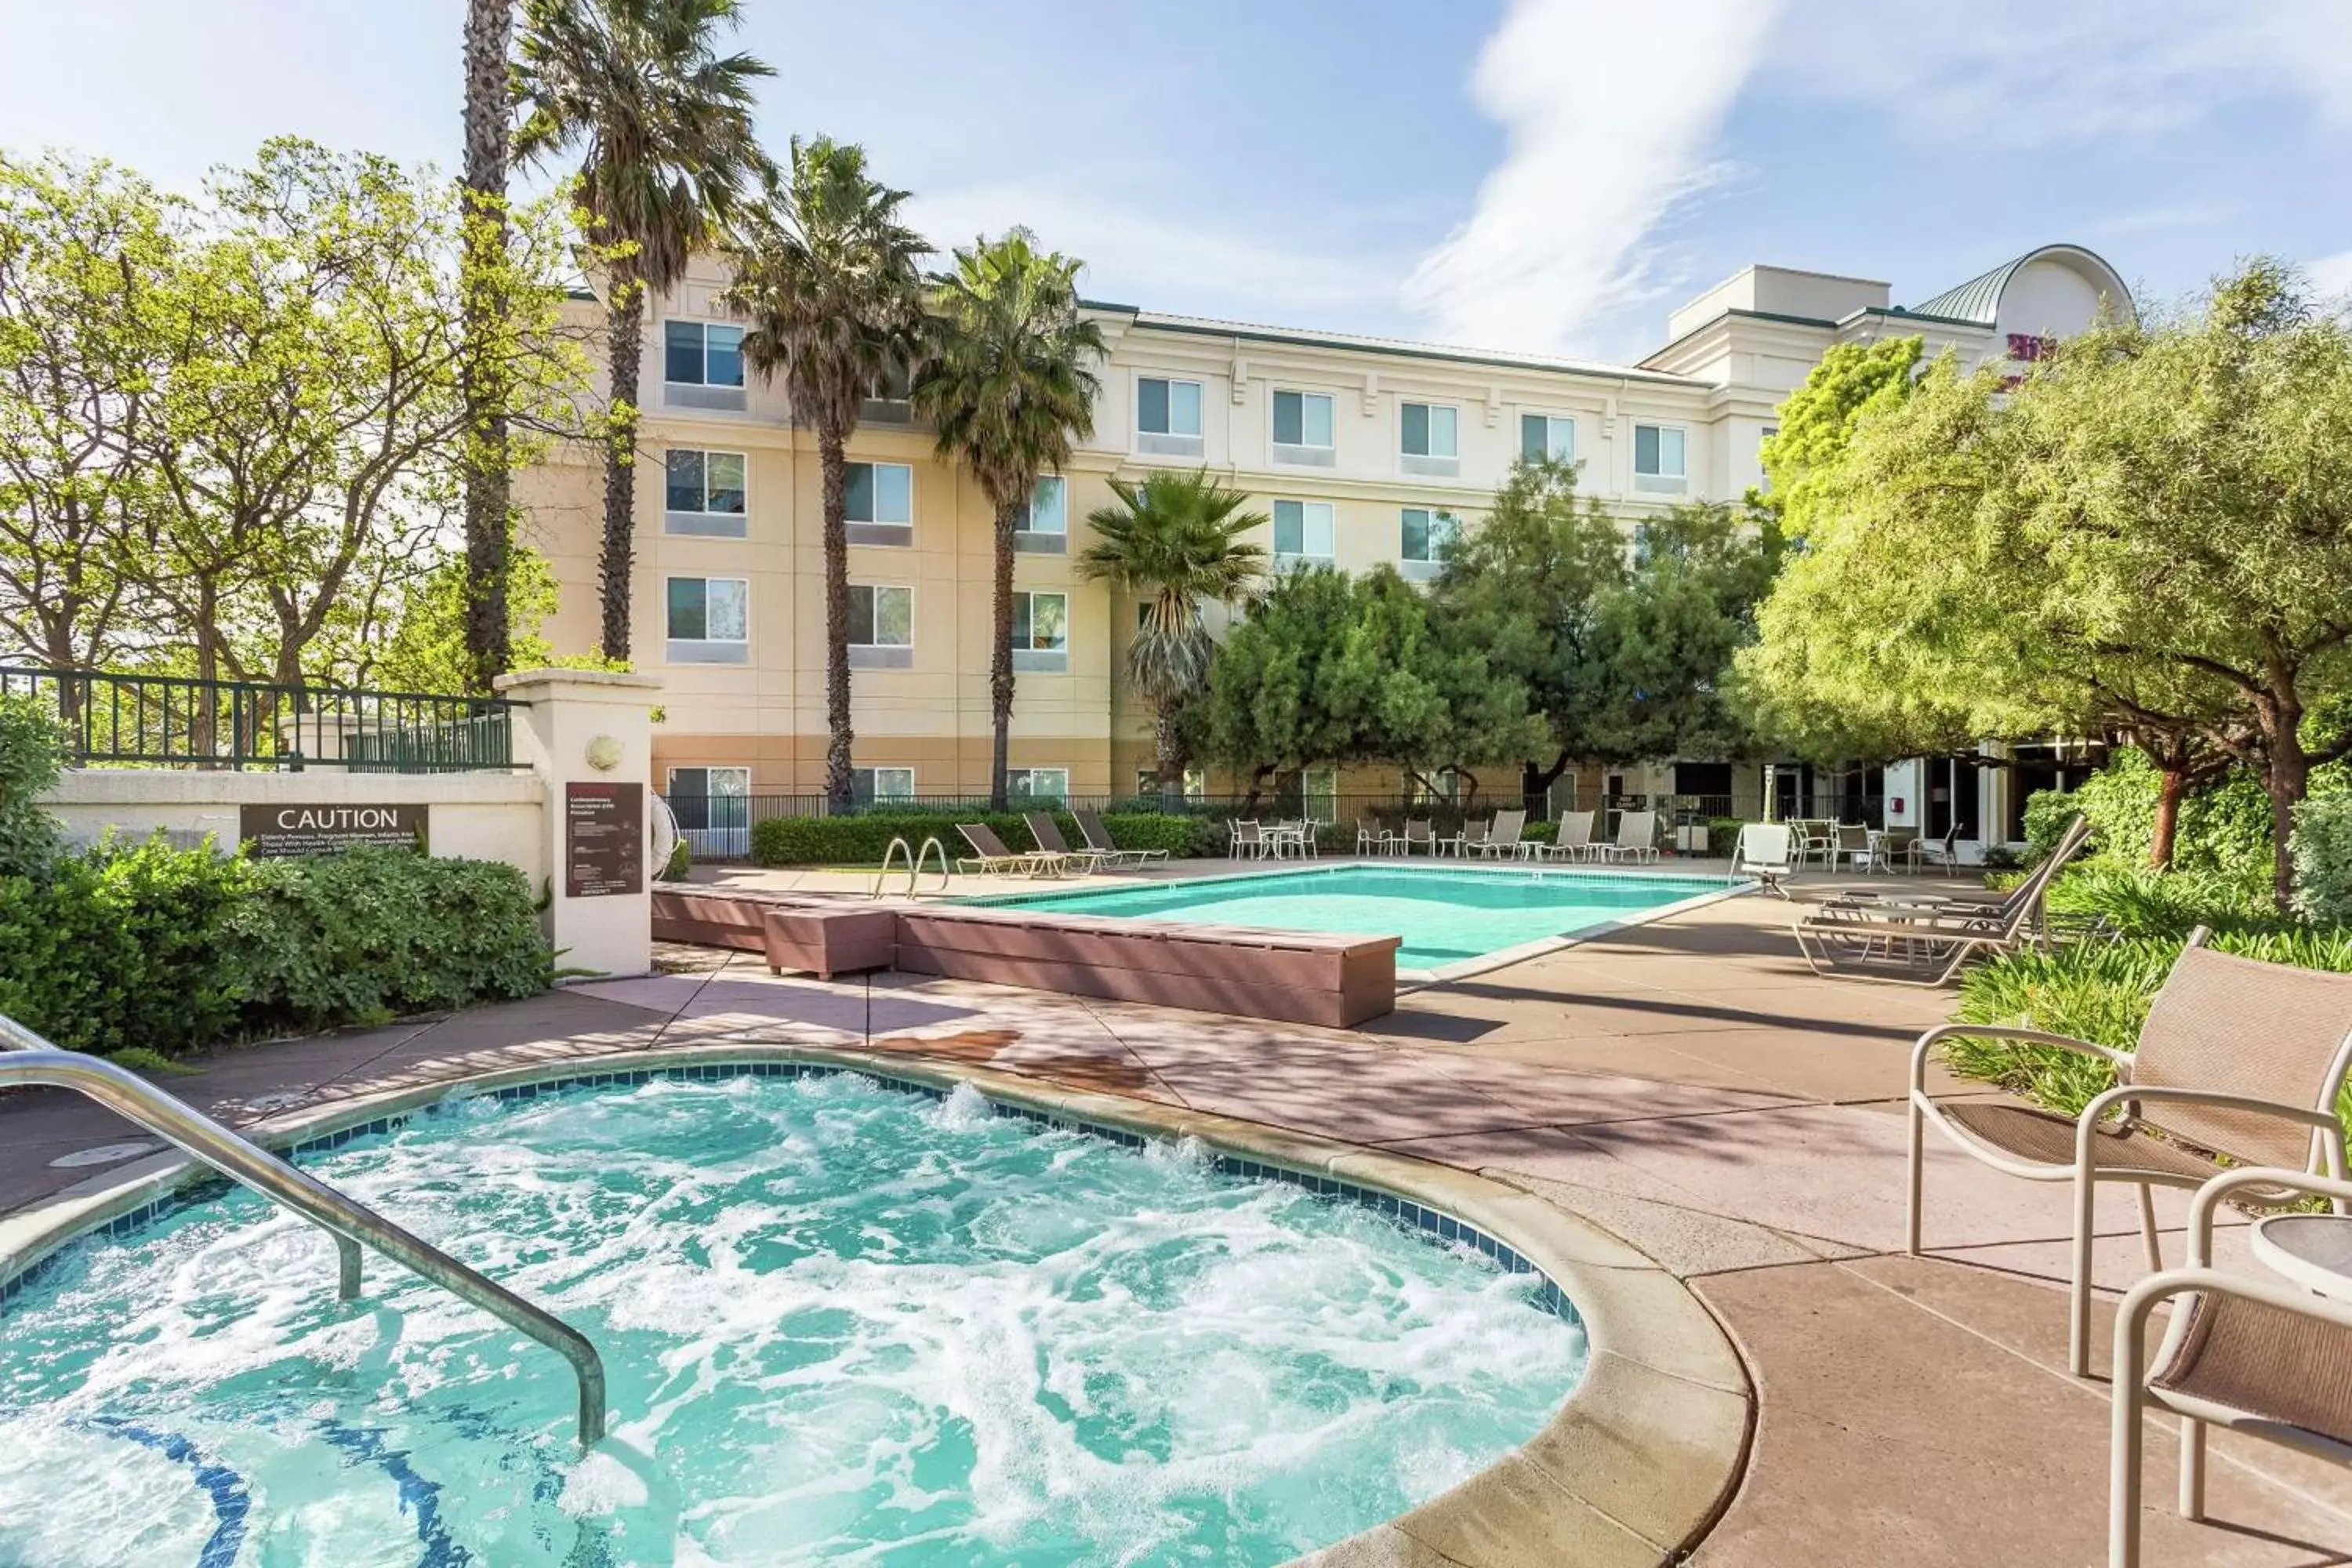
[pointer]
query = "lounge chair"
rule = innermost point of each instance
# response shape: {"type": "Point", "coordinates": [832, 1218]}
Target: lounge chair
{"type": "Point", "coordinates": [2239, 1057]}
{"type": "Point", "coordinates": [2250, 1354]}
{"type": "Point", "coordinates": [1472, 837]}
{"type": "Point", "coordinates": [1926, 940]}
{"type": "Point", "coordinates": [1098, 839]}
{"type": "Point", "coordinates": [1048, 835]}
{"type": "Point", "coordinates": [989, 853]}
{"type": "Point", "coordinates": [1572, 840]}
{"type": "Point", "coordinates": [1371, 839]}
{"type": "Point", "coordinates": [1763, 852]}
{"type": "Point", "coordinates": [1504, 838]}
{"type": "Point", "coordinates": [1637, 838]}
{"type": "Point", "coordinates": [1418, 830]}
{"type": "Point", "coordinates": [2071, 843]}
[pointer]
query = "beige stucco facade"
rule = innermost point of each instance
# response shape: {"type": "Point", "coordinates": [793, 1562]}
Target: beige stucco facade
{"type": "Point", "coordinates": [1349, 440]}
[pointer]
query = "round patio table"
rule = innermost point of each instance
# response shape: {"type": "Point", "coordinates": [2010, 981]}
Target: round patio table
{"type": "Point", "coordinates": [2312, 1250]}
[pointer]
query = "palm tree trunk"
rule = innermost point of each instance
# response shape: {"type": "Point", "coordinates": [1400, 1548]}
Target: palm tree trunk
{"type": "Point", "coordinates": [1168, 750]}
{"type": "Point", "coordinates": [627, 320]}
{"type": "Point", "coordinates": [1000, 661]}
{"type": "Point", "coordinates": [489, 25]}
{"type": "Point", "coordinates": [835, 468]}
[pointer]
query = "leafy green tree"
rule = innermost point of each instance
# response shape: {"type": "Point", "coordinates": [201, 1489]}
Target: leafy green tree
{"type": "Point", "coordinates": [1267, 705]}
{"type": "Point", "coordinates": [81, 247]}
{"type": "Point", "coordinates": [1816, 423]}
{"type": "Point", "coordinates": [1008, 382]}
{"type": "Point", "coordinates": [1175, 545]}
{"type": "Point", "coordinates": [2153, 533]}
{"type": "Point", "coordinates": [489, 522]}
{"type": "Point", "coordinates": [662, 122]}
{"type": "Point", "coordinates": [827, 273]}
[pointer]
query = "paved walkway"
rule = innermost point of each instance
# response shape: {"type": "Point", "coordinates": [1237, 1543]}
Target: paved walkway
{"type": "Point", "coordinates": [1688, 1085]}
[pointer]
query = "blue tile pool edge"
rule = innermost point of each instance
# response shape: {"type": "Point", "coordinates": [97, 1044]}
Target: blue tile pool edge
{"type": "Point", "coordinates": [192, 1184]}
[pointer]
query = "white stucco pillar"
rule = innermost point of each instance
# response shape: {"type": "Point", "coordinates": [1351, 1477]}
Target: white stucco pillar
{"type": "Point", "coordinates": [588, 736]}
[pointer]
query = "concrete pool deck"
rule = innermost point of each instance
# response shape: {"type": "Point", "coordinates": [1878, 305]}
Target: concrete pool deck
{"type": "Point", "coordinates": [1687, 1086]}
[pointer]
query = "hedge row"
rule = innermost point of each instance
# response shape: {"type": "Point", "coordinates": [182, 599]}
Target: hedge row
{"type": "Point", "coordinates": [156, 949]}
{"type": "Point", "coordinates": [863, 839]}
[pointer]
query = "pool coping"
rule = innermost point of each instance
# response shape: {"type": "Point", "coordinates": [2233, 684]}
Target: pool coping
{"type": "Point", "coordinates": [1414, 979]}
{"type": "Point", "coordinates": [1636, 1464]}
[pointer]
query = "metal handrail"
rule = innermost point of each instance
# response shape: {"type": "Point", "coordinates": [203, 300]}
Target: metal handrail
{"type": "Point", "coordinates": [888, 855]}
{"type": "Point", "coordinates": [922, 857]}
{"type": "Point", "coordinates": [26, 1058]}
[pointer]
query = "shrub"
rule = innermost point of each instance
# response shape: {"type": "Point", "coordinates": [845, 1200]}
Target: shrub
{"type": "Point", "coordinates": [681, 861]}
{"type": "Point", "coordinates": [1722, 834]}
{"type": "Point", "coordinates": [145, 947]}
{"type": "Point", "coordinates": [2323, 858]}
{"type": "Point", "coordinates": [31, 748]}
{"type": "Point", "coordinates": [2224, 827]}
{"type": "Point", "coordinates": [863, 838]}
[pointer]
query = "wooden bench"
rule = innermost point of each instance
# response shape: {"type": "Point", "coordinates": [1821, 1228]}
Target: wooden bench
{"type": "Point", "coordinates": [1298, 977]}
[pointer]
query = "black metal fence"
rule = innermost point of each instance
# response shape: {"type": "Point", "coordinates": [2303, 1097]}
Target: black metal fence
{"type": "Point", "coordinates": [175, 722]}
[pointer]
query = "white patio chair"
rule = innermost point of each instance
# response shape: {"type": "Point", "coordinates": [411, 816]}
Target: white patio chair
{"type": "Point", "coordinates": [1636, 840]}
{"type": "Point", "coordinates": [1763, 852]}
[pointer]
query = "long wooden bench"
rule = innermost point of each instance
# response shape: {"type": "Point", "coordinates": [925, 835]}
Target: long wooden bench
{"type": "Point", "coordinates": [1299, 977]}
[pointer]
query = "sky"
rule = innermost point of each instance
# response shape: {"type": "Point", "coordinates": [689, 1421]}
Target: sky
{"type": "Point", "coordinates": [1547, 176]}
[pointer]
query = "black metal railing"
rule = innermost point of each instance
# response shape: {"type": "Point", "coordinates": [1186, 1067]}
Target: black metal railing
{"type": "Point", "coordinates": [177, 721]}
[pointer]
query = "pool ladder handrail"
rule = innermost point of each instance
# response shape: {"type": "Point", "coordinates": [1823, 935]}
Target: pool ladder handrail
{"type": "Point", "coordinates": [916, 860]}
{"type": "Point", "coordinates": [27, 1058]}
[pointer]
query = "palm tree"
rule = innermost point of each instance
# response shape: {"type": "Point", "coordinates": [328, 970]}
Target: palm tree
{"type": "Point", "coordinates": [1176, 544]}
{"type": "Point", "coordinates": [1008, 385]}
{"type": "Point", "coordinates": [489, 109]}
{"type": "Point", "coordinates": [663, 122]}
{"type": "Point", "coordinates": [828, 277]}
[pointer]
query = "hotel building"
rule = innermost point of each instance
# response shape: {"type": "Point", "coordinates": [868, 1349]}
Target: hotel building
{"type": "Point", "coordinates": [1358, 450]}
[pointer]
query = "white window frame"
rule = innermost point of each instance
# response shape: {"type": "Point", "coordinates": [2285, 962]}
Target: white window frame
{"type": "Point", "coordinates": [703, 522]}
{"type": "Point", "coordinates": [1662, 482]}
{"type": "Point", "coordinates": [1195, 784]}
{"type": "Point", "coordinates": [1029, 537]}
{"type": "Point", "coordinates": [877, 529]}
{"type": "Point", "coordinates": [706, 323]}
{"type": "Point", "coordinates": [872, 794]}
{"type": "Point", "coordinates": [1306, 512]}
{"type": "Point", "coordinates": [1033, 595]}
{"type": "Point", "coordinates": [1328, 793]}
{"type": "Point", "coordinates": [1171, 442]}
{"type": "Point", "coordinates": [1302, 452]}
{"type": "Point", "coordinates": [1434, 562]}
{"type": "Point", "coordinates": [707, 649]}
{"type": "Point", "coordinates": [1060, 793]}
{"type": "Point", "coordinates": [883, 655]}
{"type": "Point", "coordinates": [1551, 421]}
{"type": "Point", "coordinates": [1441, 464]}
{"type": "Point", "coordinates": [724, 830]}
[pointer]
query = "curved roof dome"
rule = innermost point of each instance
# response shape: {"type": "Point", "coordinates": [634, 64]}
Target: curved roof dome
{"type": "Point", "coordinates": [1980, 299]}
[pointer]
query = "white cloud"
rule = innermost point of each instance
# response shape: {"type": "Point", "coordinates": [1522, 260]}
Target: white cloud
{"type": "Point", "coordinates": [2024, 73]}
{"type": "Point", "coordinates": [1611, 110]}
{"type": "Point", "coordinates": [2332, 275]}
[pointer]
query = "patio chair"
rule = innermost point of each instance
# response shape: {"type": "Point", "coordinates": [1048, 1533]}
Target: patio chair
{"type": "Point", "coordinates": [1815, 840]}
{"type": "Point", "coordinates": [1503, 838]}
{"type": "Point", "coordinates": [1573, 840]}
{"type": "Point", "coordinates": [1249, 841]}
{"type": "Point", "coordinates": [1926, 940]}
{"type": "Point", "coordinates": [1418, 830]}
{"type": "Point", "coordinates": [1762, 852]}
{"type": "Point", "coordinates": [1852, 844]}
{"type": "Point", "coordinates": [1472, 837]}
{"type": "Point", "coordinates": [989, 853]}
{"type": "Point", "coordinates": [1371, 839]}
{"type": "Point", "coordinates": [2072, 840]}
{"type": "Point", "coordinates": [2238, 1057]}
{"type": "Point", "coordinates": [2250, 1354]}
{"type": "Point", "coordinates": [1048, 835]}
{"type": "Point", "coordinates": [1636, 840]}
{"type": "Point", "coordinates": [1944, 852]}
{"type": "Point", "coordinates": [1098, 839]}
{"type": "Point", "coordinates": [1897, 846]}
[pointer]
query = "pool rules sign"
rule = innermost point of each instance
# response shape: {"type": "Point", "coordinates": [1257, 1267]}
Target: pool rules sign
{"type": "Point", "coordinates": [604, 840]}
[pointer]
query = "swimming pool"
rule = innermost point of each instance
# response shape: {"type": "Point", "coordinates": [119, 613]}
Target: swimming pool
{"type": "Point", "coordinates": [843, 1322]}
{"type": "Point", "coordinates": [1448, 917]}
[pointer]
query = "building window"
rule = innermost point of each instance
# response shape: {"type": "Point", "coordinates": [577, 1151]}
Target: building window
{"type": "Point", "coordinates": [1658, 458]}
{"type": "Point", "coordinates": [1428, 439]}
{"type": "Point", "coordinates": [1040, 632]}
{"type": "Point", "coordinates": [1168, 417]}
{"type": "Point", "coordinates": [1302, 530]}
{"type": "Point", "coordinates": [1037, 783]}
{"type": "Point", "coordinates": [1047, 530]}
{"type": "Point", "coordinates": [1429, 535]}
{"type": "Point", "coordinates": [878, 503]}
{"type": "Point", "coordinates": [881, 627]}
{"type": "Point", "coordinates": [1302, 428]}
{"type": "Point", "coordinates": [703, 493]}
{"type": "Point", "coordinates": [713, 808]}
{"type": "Point", "coordinates": [1318, 793]}
{"type": "Point", "coordinates": [702, 354]}
{"type": "Point", "coordinates": [867, 786]}
{"type": "Point", "coordinates": [1764, 477]}
{"type": "Point", "coordinates": [708, 620]}
{"type": "Point", "coordinates": [1543, 435]}
{"type": "Point", "coordinates": [1195, 785]}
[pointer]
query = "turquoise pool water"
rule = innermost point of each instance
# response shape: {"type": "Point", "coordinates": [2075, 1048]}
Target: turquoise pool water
{"type": "Point", "coordinates": [844, 1324]}
{"type": "Point", "coordinates": [1446, 916]}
